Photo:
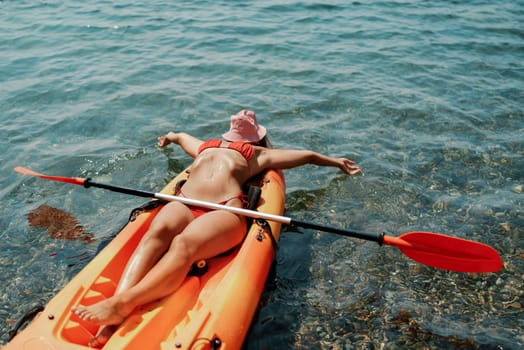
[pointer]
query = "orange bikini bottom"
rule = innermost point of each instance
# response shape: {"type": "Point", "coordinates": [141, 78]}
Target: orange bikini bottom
{"type": "Point", "coordinates": [198, 211]}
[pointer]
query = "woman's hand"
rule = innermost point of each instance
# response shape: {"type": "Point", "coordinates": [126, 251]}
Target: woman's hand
{"type": "Point", "coordinates": [188, 143]}
{"type": "Point", "coordinates": [166, 139]}
{"type": "Point", "coordinates": [348, 166]}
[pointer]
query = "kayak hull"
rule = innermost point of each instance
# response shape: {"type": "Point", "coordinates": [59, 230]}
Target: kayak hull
{"type": "Point", "coordinates": [216, 307]}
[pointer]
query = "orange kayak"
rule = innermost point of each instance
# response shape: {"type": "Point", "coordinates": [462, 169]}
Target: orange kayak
{"type": "Point", "coordinates": [211, 310]}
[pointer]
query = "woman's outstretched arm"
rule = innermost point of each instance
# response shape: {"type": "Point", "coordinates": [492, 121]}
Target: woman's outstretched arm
{"type": "Point", "coordinates": [188, 143]}
{"type": "Point", "coordinates": [286, 159]}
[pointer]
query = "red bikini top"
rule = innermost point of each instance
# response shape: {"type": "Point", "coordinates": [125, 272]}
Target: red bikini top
{"type": "Point", "coordinates": [245, 149]}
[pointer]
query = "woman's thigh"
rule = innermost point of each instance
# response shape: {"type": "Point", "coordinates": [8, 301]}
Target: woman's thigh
{"type": "Point", "coordinates": [212, 234]}
{"type": "Point", "coordinates": [172, 219]}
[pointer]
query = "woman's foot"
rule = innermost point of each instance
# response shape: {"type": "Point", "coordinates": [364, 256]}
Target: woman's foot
{"type": "Point", "coordinates": [102, 337]}
{"type": "Point", "coordinates": [106, 312]}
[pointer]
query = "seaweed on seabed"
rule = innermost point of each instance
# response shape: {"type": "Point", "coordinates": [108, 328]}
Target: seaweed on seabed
{"type": "Point", "coordinates": [58, 223]}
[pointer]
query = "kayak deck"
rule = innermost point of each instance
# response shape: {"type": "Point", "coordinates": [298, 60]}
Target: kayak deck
{"type": "Point", "coordinates": [216, 307]}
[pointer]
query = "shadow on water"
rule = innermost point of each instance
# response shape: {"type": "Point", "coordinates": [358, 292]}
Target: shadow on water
{"type": "Point", "coordinates": [279, 315]}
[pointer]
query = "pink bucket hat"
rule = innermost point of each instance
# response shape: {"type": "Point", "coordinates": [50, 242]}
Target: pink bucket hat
{"type": "Point", "coordinates": [244, 127]}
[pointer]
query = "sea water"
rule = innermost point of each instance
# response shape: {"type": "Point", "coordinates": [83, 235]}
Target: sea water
{"type": "Point", "coordinates": [426, 96]}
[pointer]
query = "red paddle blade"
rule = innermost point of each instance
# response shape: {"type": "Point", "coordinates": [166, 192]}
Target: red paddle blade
{"type": "Point", "coordinates": [446, 252]}
{"type": "Point", "coordinates": [71, 180]}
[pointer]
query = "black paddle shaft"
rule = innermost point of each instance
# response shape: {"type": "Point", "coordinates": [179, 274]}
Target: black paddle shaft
{"type": "Point", "coordinates": [88, 183]}
{"type": "Point", "coordinates": [374, 237]}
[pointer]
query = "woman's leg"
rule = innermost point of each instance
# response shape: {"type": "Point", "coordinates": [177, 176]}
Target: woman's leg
{"type": "Point", "coordinates": [169, 222]}
{"type": "Point", "coordinates": [205, 237]}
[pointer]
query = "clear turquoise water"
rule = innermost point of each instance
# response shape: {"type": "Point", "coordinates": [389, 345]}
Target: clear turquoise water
{"type": "Point", "coordinates": [428, 97]}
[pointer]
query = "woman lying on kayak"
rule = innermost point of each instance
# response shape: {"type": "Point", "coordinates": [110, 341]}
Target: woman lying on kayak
{"type": "Point", "coordinates": [180, 235]}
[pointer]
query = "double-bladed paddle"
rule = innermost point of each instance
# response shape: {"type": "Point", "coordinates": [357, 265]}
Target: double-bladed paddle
{"type": "Point", "coordinates": [432, 249]}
